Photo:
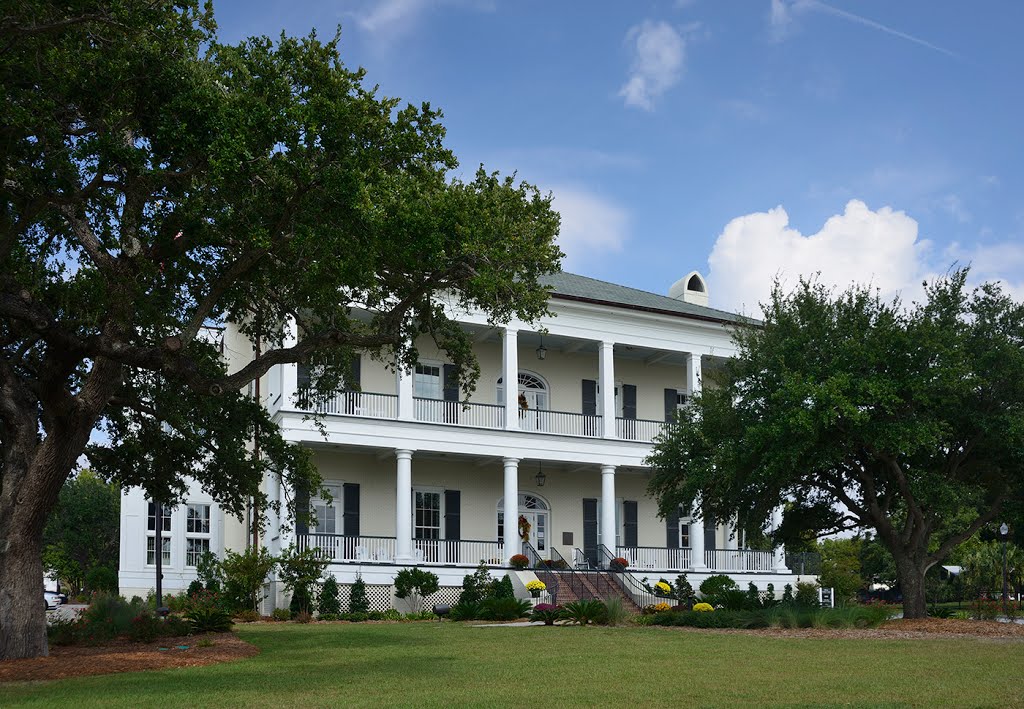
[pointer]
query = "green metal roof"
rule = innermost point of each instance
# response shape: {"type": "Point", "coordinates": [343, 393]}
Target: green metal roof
{"type": "Point", "coordinates": [571, 286]}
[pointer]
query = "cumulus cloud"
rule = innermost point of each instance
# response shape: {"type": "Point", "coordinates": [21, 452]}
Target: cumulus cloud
{"type": "Point", "coordinates": [858, 246]}
{"type": "Point", "coordinates": [659, 52]}
{"type": "Point", "coordinates": [592, 227]}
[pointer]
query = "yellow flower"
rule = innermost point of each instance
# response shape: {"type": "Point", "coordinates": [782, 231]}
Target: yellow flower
{"type": "Point", "coordinates": [535, 586]}
{"type": "Point", "coordinates": [703, 607]}
{"type": "Point", "coordinates": [663, 587]}
{"type": "Point", "coordinates": [662, 606]}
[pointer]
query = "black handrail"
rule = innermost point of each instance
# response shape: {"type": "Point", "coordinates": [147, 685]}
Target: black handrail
{"type": "Point", "coordinates": [542, 571]}
{"type": "Point", "coordinates": [626, 581]}
{"type": "Point", "coordinates": [576, 581]}
{"type": "Point", "coordinates": [595, 576]}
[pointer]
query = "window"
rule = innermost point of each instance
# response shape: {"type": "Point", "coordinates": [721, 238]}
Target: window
{"type": "Point", "coordinates": [197, 532]}
{"type": "Point", "coordinates": [532, 390]}
{"type": "Point", "coordinates": [427, 515]}
{"type": "Point", "coordinates": [325, 514]}
{"type": "Point", "coordinates": [684, 533]}
{"type": "Point", "coordinates": [680, 400]}
{"type": "Point", "coordinates": [165, 539]}
{"type": "Point", "coordinates": [426, 381]}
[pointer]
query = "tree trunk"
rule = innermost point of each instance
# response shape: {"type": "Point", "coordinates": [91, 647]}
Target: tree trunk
{"type": "Point", "coordinates": [911, 578]}
{"type": "Point", "coordinates": [22, 607]}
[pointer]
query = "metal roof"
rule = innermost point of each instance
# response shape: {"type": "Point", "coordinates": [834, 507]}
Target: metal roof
{"type": "Point", "coordinates": [571, 286]}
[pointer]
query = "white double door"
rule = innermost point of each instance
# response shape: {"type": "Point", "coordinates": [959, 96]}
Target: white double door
{"type": "Point", "coordinates": [538, 533]}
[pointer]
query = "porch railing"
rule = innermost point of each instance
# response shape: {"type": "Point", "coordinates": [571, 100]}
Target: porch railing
{"type": "Point", "coordinates": [655, 558]}
{"type": "Point", "coordinates": [359, 403]}
{"type": "Point", "coordinates": [638, 429]}
{"type": "Point", "coordinates": [337, 547]}
{"type": "Point", "coordinates": [739, 560]}
{"type": "Point", "coordinates": [629, 584]}
{"type": "Point", "coordinates": [542, 568]}
{"type": "Point", "coordinates": [462, 413]}
{"type": "Point", "coordinates": [560, 422]}
{"type": "Point", "coordinates": [458, 552]}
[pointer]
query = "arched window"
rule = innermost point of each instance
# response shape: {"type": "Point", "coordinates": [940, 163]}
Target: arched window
{"type": "Point", "coordinates": [695, 283]}
{"type": "Point", "coordinates": [532, 389]}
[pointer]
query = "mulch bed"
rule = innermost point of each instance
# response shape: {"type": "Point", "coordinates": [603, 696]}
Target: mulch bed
{"type": "Point", "coordinates": [124, 656]}
{"type": "Point", "coordinates": [919, 629]}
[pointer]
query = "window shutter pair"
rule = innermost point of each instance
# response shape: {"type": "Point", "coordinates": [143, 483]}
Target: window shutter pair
{"type": "Point", "coordinates": [589, 405]}
{"type": "Point", "coordinates": [352, 382]}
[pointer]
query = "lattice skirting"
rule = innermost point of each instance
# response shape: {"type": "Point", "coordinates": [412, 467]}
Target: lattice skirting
{"type": "Point", "coordinates": [380, 596]}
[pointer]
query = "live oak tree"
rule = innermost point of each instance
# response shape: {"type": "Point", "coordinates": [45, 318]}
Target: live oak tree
{"type": "Point", "coordinates": [860, 413]}
{"type": "Point", "coordinates": [157, 181]}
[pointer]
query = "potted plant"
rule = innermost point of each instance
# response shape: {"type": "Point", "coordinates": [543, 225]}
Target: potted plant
{"type": "Point", "coordinates": [535, 588]}
{"type": "Point", "coordinates": [618, 564]}
{"type": "Point", "coordinates": [519, 561]}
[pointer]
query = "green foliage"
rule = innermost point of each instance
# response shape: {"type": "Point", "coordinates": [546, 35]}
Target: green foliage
{"type": "Point", "coordinates": [465, 610]}
{"type": "Point", "coordinates": [82, 533]}
{"type": "Point", "coordinates": [145, 627]}
{"type": "Point", "coordinates": [683, 590]}
{"type": "Point", "coordinates": [476, 586]}
{"type": "Point", "coordinates": [983, 568]}
{"type": "Point", "coordinates": [196, 586]}
{"type": "Point", "coordinates": [547, 613]}
{"type": "Point", "coordinates": [302, 600]}
{"type": "Point", "coordinates": [357, 600]}
{"type": "Point", "coordinates": [301, 568]}
{"type": "Point", "coordinates": [101, 578]}
{"type": "Point", "coordinates": [841, 401]}
{"type": "Point", "coordinates": [714, 589]}
{"type": "Point", "coordinates": [281, 614]}
{"type": "Point", "coordinates": [583, 612]}
{"type": "Point", "coordinates": [806, 595]}
{"type": "Point", "coordinates": [783, 617]}
{"type": "Point", "coordinates": [501, 608]}
{"type": "Point", "coordinates": [787, 594]}
{"type": "Point", "coordinates": [615, 611]}
{"type": "Point", "coordinates": [244, 576]}
{"type": "Point", "coordinates": [391, 614]}
{"type": "Point", "coordinates": [415, 583]}
{"type": "Point", "coordinates": [247, 616]}
{"type": "Point", "coordinates": [841, 567]}
{"type": "Point", "coordinates": [502, 588]}
{"type": "Point", "coordinates": [329, 603]}
{"type": "Point", "coordinates": [108, 615]}
{"type": "Point", "coordinates": [206, 614]}
{"type": "Point", "coordinates": [209, 572]}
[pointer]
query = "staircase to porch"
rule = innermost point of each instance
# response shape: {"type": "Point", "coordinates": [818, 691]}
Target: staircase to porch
{"type": "Point", "coordinates": [574, 584]}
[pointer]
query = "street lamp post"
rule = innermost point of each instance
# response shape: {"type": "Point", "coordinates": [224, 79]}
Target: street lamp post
{"type": "Point", "coordinates": [1004, 532]}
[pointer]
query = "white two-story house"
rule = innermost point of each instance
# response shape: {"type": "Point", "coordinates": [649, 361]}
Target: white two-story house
{"type": "Point", "coordinates": [422, 473]}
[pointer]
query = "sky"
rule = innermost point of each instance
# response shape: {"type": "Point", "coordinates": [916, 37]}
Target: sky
{"type": "Point", "coordinates": [863, 140]}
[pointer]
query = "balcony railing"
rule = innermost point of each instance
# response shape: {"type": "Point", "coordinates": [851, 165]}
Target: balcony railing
{"type": "Point", "coordinates": [360, 403]}
{"type": "Point", "coordinates": [350, 549]}
{"type": "Point", "coordinates": [561, 422]}
{"type": "Point", "coordinates": [655, 558]}
{"type": "Point", "coordinates": [638, 429]}
{"type": "Point", "coordinates": [368, 549]}
{"type": "Point", "coordinates": [457, 552]}
{"type": "Point", "coordinates": [739, 560]}
{"type": "Point", "coordinates": [462, 413]}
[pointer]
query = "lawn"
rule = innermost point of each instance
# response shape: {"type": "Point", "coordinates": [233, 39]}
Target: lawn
{"type": "Point", "coordinates": [447, 664]}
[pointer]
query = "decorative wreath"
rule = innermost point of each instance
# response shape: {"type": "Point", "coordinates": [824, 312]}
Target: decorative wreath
{"type": "Point", "coordinates": [524, 528]}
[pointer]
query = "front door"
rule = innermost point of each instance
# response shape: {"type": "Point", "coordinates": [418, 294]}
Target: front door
{"type": "Point", "coordinates": [530, 417]}
{"type": "Point", "coordinates": [537, 534]}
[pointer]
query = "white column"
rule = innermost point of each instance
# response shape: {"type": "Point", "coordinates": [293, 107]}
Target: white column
{"type": "Point", "coordinates": [608, 526]}
{"type": "Point", "coordinates": [403, 383]}
{"type": "Point", "coordinates": [289, 372]}
{"type": "Point", "coordinates": [697, 539]}
{"type": "Point", "coordinates": [780, 551]}
{"type": "Point", "coordinates": [510, 377]}
{"type": "Point", "coordinates": [511, 539]}
{"type": "Point", "coordinates": [693, 374]}
{"type": "Point", "coordinates": [403, 506]}
{"type": "Point", "coordinates": [606, 365]}
{"type": "Point", "coordinates": [732, 536]}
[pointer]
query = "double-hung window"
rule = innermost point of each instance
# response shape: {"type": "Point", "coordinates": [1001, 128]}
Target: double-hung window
{"type": "Point", "coordinates": [197, 532]}
{"type": "Point", "coordinates": [325, 514]}
{"type": "Point", "coordinates": [426, 382]}
{"type": "Point", "coordinates": [165, 541]}
{"type": "Point", "coordinates": [427, 515]}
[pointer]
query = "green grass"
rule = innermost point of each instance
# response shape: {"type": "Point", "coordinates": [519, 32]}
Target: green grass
{"type": "Point", "coordinates": [447, 664]}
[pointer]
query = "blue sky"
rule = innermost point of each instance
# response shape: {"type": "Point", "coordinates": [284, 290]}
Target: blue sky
{"type": "Point", "coordinates": [867, 140]}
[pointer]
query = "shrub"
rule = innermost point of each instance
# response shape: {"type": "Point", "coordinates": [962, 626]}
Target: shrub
{"type": "Point", "coordinates": [422, 615]}
{"type": "Point", "coordinates": [357, 600]}
{"type": "Point", "coordinates": [737, 600]}
{"type": "Point", "coordinates": [376, 615]}
{"type": "Point", "coordinates": [303, 617]}
{"type": "Point", "coordinates": [703, 608]}
{"type": "Point", "coordinates": [465, 610]}
{"type": "Point", "coordinates": [281, 614]}
{"type": "Point", "coordinates": [806, 595]}
{"type": "Point", "coordinates": [960, 615]}
{"type": "Point", "coordinates": [329, 603]}
{"type": "Point", "coordinates": [391, 614]}
{"type": "Point", "coordinates": [176, 626]}
{"type": "Point", "coordinates": [145, 627]}
{"type": "Point", "coordinates": [244, 576]}
{"type": "Point", "coordinates": [108, 616]}
{"type": "Point", "coordinates": [656, 608]}
{"type": "Point", "coordinates": [683, 590]}
{"type": "Point", "coordinates": [195, 587]}
{"type": "Point", "coordinates": [209, 571]}
{"type": "Point", "coordinates": [787, 593]}
{"type": "Point", "coordinates": [584, 612]}
{"type": "Point", "coordinates": [714, 588]}
{"type": "Point", "coordinates": [415, 583]}
{"type": "Point", "coordinates": [329, 616]}
{"type": "Point", "coordinates": [519, 561]}
{"type": "Point", "coordinates": [546, 613]}
{"type": "Point", "coordinates": [615, 611]}
{"type": "Point", "coordinates": [62, 630]}
{"type": "Point", "coordinates": [504, 609]}
{"type": "Point", "coordinates": [502, 588]}
{"type": "Point", "coordinates": [301, 601]}
{"type": "Point", "coordinates": [209, 619]}
{"type": "Point", "coordinates": [177, 603]}
{"type": "Point", "coordinates": [985, 609]}
{"type": "Point", "coordinates": [247, 616]}
{"type": "Point", "coordinates": [753, 600]}
{"type": "Point", "coordinates": [101, 578]}
{"type": "Point", "coordinates": [476, 586]}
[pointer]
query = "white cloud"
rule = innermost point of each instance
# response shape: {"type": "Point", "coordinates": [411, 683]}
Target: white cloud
{"type": "Point", "coordinates": [780, 20]}
{"type": "Point", "coordinates": [659, 51]}
{"type": "Point", "coordinates": [858, 246]}
{"type": "Point", "coordinates": [952, 204]}
{"type": "Point", "coordinates": [592, 227]}
{"type": "Point", "coordinates": [390, 19]}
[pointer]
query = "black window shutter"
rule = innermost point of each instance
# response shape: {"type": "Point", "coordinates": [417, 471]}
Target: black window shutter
{"type": "Point", "coordinates": [670, 404]}
{"type": "Point", "coordinates": [589, 397]}
{"type": "Point", "coordinates": [350, 510]}
{"type": "Point", "coordinates": [629, 401]}
{"type": "Point", "coordinates": [303, 376]}
{"type": "Point", "coordinates": [355, 382]}
{"type": "Point", "coordinates": [672, 530]}
{"type": "Point", "coordinates": [301, 510]}
{"type": "Point", "coordinates": [451, 382]}
{"type": "Point", "coordinates": [629, 523]}
{"type": "Point", "coordinates": [709, 534]}
{"type": "Point", "coordinates": [452, 514]}
{"type": "Point", "coordinates": [590, 529]}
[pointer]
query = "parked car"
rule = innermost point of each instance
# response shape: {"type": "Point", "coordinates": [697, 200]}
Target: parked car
{"type": "Point", "coordinates": [53, 599]}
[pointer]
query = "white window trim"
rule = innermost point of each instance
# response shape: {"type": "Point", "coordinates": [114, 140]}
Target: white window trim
{"type": "Point", "coordinates": [207, 535]}
{"type": "Point", "coordinates": [440, 376]}
{"type": "Point", "coordinates": [337, 504]}
{"type": "Point", "coordinates": [166, 535]}
{"type": "Point", "coordinates": [439, 491]}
